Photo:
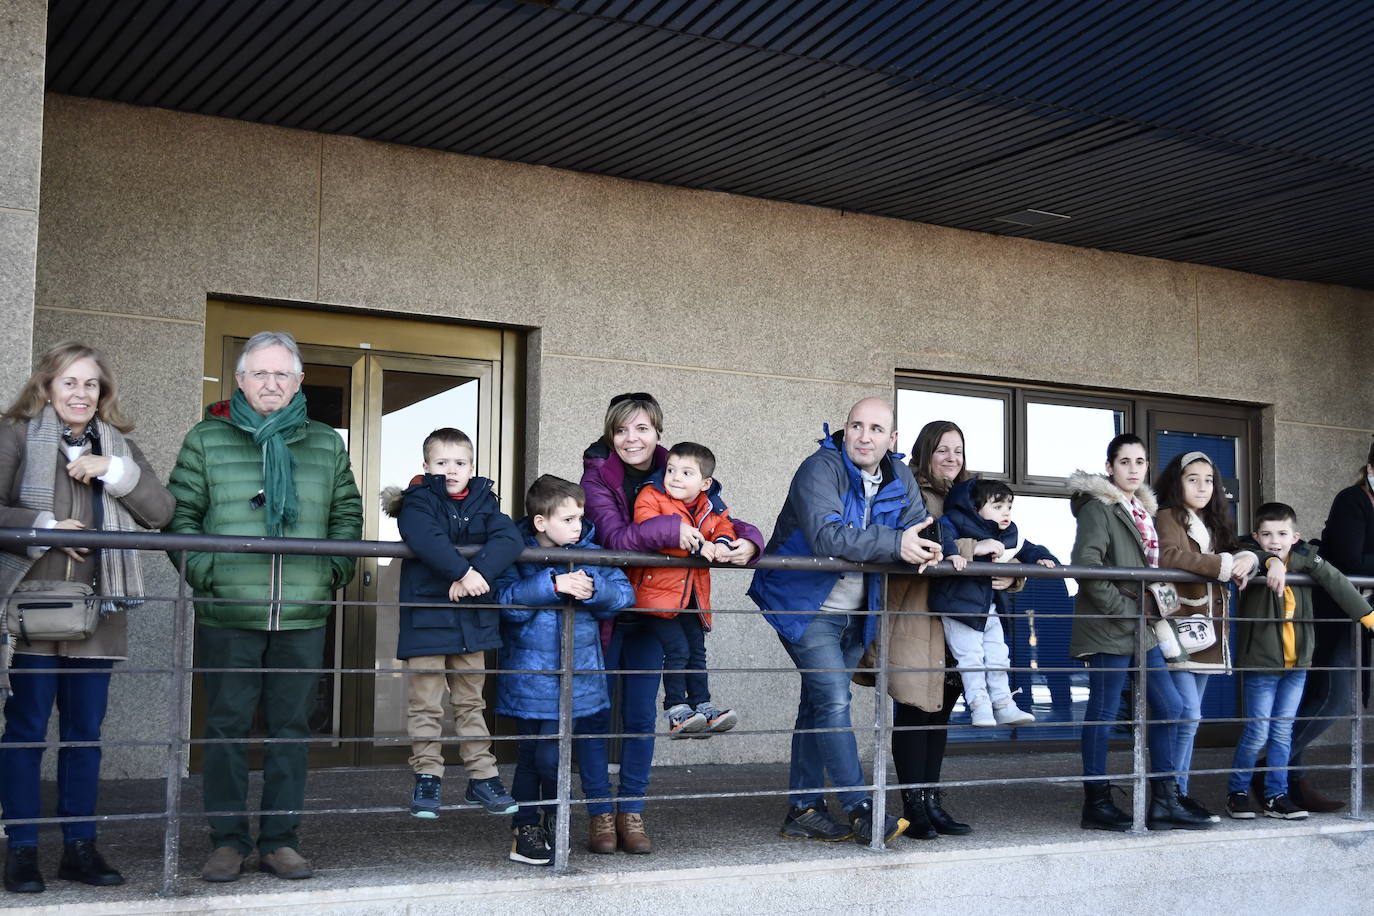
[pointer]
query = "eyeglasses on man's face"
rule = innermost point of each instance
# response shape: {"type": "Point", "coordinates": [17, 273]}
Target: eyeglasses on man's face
{"type": "Point", "coordinates": [261, 376]}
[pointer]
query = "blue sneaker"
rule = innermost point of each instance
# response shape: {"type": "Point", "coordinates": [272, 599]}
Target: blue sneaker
{"type": "Point", "coordinates": [424, 801]}
{"type": "Point", "coordinates": [490, 794]}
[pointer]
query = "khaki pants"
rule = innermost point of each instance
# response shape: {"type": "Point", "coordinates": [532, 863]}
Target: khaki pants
{"type": "Point", "coordinates": [425, 712]}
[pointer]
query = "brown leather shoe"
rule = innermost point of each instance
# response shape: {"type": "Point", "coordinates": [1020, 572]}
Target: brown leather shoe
{"type": "Point", "coordinates": [1311, 799]}
{"type": "Point", "coordinates": [601, 834]}
{"type": "Point", "coordinates": [629, 827]}
{"type": "Point", "coordinates": [285, 862]}
{"type": "Point", "coordinates": [224, 864]}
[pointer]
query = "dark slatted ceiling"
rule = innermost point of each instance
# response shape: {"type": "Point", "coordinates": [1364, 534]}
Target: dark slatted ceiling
{"type": "Point", "coordinates": [1238, 134]}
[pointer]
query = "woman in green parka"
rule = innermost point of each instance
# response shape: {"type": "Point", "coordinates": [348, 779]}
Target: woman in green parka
{"type": "Point", "coordinates": [1116, 527]}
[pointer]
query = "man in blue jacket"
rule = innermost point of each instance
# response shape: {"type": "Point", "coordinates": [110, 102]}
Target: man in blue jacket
{"type": "Point", "coordinates": [853, 499]}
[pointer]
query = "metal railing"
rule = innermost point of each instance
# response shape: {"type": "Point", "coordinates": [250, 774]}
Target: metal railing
{"type": "Point", "coordinates": [178, 740]}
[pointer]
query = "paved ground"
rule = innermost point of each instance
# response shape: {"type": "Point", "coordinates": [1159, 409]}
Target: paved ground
{"type": "Point", "coordinates": [393, 848]}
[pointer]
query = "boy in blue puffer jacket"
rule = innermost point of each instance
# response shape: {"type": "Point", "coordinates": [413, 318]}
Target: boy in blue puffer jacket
{"type": "Point", "coordinates": [442, 638]}
{"type": "Point", "coordinates": [981, 510]}
{"type": "Point", "coordinates": [532, 638]}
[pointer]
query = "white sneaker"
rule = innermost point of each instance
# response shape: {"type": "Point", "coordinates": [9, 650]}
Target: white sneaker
{"type": "Point", "coordinates": [981, 711]}
{"type": "Point", "coordinates": [1011, 714]}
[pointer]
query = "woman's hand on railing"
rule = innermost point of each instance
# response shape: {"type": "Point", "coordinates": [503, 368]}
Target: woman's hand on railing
{"type": "Point", "coordinates": [76, 553]}
{"type": "Point", "coordinates": [1243, 568]}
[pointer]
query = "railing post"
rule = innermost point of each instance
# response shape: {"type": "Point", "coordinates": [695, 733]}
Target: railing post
{"type": "Point", "coordinates": [563, 827]}
{"type": "Point", "coordinates": [882, 725]}
{"type": "Point", "coordinates": [1356, 723]}
{"type": "Point", "coordinates": [1140, 794]}
{"type": "Point", "coordinates": [179, 729]}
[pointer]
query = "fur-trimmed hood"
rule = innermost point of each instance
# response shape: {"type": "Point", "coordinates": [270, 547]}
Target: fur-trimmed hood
{"type": "Point", "coordinates": [1086, 486]}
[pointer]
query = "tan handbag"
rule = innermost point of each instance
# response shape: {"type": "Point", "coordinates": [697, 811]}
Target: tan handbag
{"type": "Point", "coordinates": [49, 610]}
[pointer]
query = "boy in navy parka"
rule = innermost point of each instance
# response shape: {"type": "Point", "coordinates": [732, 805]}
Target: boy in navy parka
{"type": "Point", "coordinates": [532, 642]}
{"type": "Point", "coordinates": [981, 510]}
{"type": "Point", "coordinates": [442, 643]}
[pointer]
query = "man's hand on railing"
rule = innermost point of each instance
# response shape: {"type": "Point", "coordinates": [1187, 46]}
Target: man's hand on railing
{"type": "Point", "coordinates": [919, 551]}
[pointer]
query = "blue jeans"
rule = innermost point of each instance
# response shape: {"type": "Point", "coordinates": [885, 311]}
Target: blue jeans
{"type": "Point", "coordinates": [684, 658]}
{"type": "Point", "coordinates": [634, 646]}
{"type": "Point", "coordinates": [1326, 695]}
{"type": "Point", "coordinates": [39, 681]}
{"type": "Point", "coordinates": [1271, 701]}
{"type": "Point", "coordinates": [536, 767]}
{"type": "Point", "coordinates": [1192, 686]}
{"type": "Point", "coordinates": [830, 641]}
{"type": "Point", "coordinates": [1106, 680]}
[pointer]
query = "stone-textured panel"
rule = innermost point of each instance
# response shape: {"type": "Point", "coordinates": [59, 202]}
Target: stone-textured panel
{"type": "Point", "coordinates": [23, 27]}
{"type": "Point", "coordinates": [1300, 346]}
{"type": "Point", "coordinates": [1314, 463]}
{"type": "Point", "coordinates": [145, 211]}
{"type": "Point", "coordinates": [18, 254]}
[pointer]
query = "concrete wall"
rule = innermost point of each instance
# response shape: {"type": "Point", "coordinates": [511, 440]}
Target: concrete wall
{"type": "Point", "coordinates": [752, 321]}
{"type": "Point", "coordinates": [23, 48]}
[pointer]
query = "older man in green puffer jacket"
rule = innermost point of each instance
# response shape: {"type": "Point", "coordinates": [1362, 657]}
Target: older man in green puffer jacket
{"type": "Point", "coordinates": [258, 466]}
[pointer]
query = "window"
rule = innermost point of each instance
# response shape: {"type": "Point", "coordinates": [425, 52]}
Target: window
{"type": "Point", "coordinates": [1035, 437]}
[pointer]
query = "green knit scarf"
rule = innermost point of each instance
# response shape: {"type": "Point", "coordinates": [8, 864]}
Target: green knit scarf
{"type": "Point", "coordinates": [269, 432]}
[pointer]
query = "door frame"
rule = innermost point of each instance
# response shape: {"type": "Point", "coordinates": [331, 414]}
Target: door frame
{"type": "Point", "coordinates": [378, 343]}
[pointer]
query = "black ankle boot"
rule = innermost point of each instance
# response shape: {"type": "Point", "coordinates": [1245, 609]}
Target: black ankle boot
{"type": "Point", "coordinates": [21, 871]}
{"type": "Point", "coordinates": [81, 861]}
{"type": "Point", "coordinates": [1167, 814]}
{"type": "Point", "coordinates": [939, 817]}
{"type": "Point", "coordinates": [914, 810]}
{"type": "Point", "coordinates": [1099, 812]}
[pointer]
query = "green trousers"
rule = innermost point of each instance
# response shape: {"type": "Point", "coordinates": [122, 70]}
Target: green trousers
{"type": "Point", "coordinates": [232, 700]}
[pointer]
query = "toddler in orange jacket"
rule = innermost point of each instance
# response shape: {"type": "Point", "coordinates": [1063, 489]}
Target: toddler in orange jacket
{"type": "Point", "coordinates": [677, 600]}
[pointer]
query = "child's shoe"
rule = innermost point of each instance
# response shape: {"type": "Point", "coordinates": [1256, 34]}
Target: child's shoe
{"type": "Point", "coordinates": [717, 720]}
{"type": "Point", "coordinates": [980, 710]}
{"type": "Point", "coordinates": [861, 819]}
{"type": "Point", "coordinates": [531, 845]}
{"type": "Point", "coordinates": [1281, 806]}
{"type": "Point", "coordinates": [424, 800]}
{"type": "Point", "coordinates": [683, 720]}
{"type": "Point", "coordinates": [490, 794]}
{"type": "Point", "coordinates": [1008, 713]}
{"type": "Point", "coordinates": [1239, 807]}
{"type": "Point", "coordinates": [601, 834]}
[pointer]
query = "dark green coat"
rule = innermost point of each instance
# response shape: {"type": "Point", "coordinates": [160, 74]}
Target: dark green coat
{"type": "Point", "coordinates": [1106, 537]}
{"type": "Point", "coordinates": [1259, 633]}
{"type": "Point", "coordinates": [217, 475]}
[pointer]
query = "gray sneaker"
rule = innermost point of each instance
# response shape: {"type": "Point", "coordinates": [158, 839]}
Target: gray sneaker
{"type": "Point", "coordinates": [814, 824]}
{"type": "Point", "coordinates": [717, 720]}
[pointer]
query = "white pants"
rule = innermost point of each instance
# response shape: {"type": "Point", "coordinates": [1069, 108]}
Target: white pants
{"type": "Point", "coordinates": [983, 659]}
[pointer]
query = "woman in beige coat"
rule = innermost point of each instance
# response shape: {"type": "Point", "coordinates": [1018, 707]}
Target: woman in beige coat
{"type": "Point", "coordinates": [66, 464]}
{"type": "Point", "coordinates": [925, 694]}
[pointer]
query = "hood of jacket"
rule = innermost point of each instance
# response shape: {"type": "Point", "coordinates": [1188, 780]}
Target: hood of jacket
{"type": "Point", "coordinates": [1087, 486]}
{"type": "Point", "coordinates": [835, 443]}
{"type": "Point", "coordinates": [963, 519]}
{"type": "Point", "coordinates": [391, 498]}
{"type": "Point", "coordinates": [712, 492]}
